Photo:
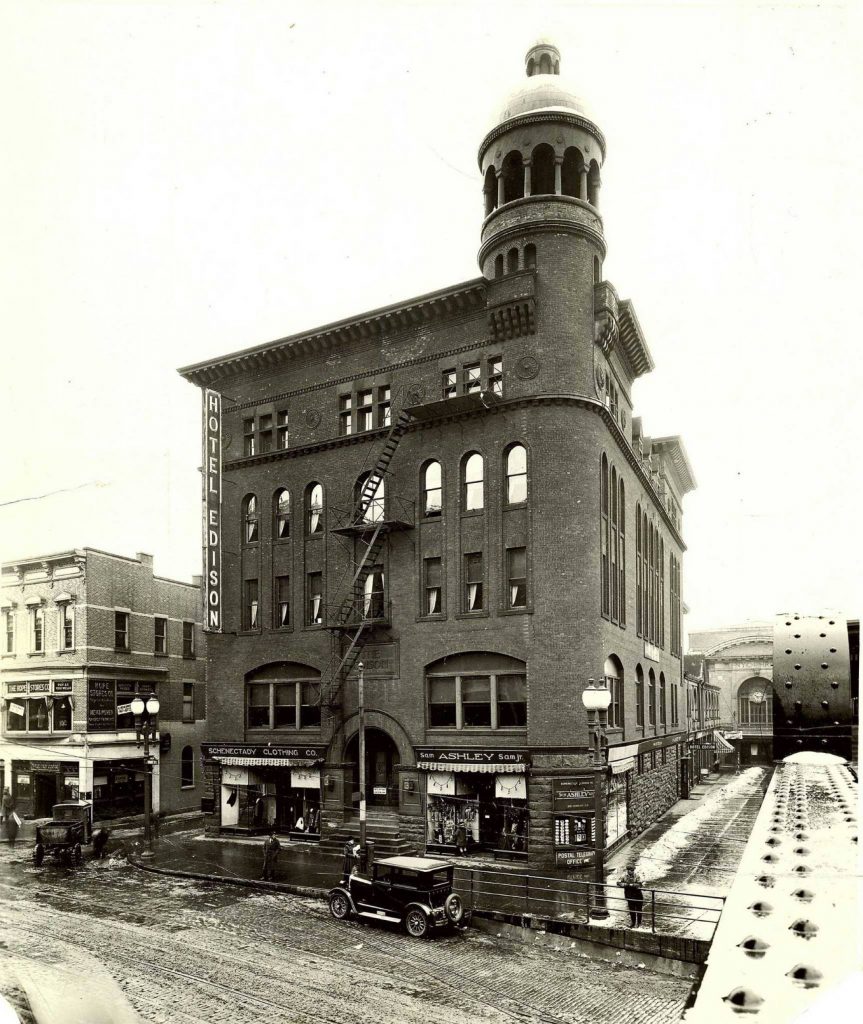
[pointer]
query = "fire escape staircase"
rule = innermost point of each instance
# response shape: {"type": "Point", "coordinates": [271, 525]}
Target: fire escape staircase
{"type": "Point", "coordinates": [369, 524]}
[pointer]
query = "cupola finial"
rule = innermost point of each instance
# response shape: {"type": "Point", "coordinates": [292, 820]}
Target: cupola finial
{"type": "Point", "coordinates": [543, 58]}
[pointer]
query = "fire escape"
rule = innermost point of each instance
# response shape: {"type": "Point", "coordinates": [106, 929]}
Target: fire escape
{"type": "Point", "coordinates": [368, 520]}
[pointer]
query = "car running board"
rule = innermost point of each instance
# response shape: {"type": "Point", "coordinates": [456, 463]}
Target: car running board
{"type": "Point", "coordinates": [379, 917]}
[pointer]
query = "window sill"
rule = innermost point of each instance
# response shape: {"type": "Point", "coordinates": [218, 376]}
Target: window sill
{"type": "Point", "coordinates": [65, 650]}
{"type": "Point", "coordinates": [122, 650]}
{"type": "Point", "coordinates": [515, 504]}
{"type": "Point", "coordinates": [504, 730]}
{"type": "Point", "coordinates": [160, 654]}
{"type": "Point", "coordinates": [249, 632]}
{"type": "Point", "coordinates": [313, 626]}
{"type": "Point", "coordinates": [283, 629]}
{"type": "Point", "coordinates": [192, 786]}
{"type": "Point", "coordinates": [35, 654]}
{"type": "Point", "coordinates": [473, 615]}
{"type": "Point", "coordinates": [437, 617]}
{"type": "Point", "coordinates": [468, 513]}
{"type": "Point", "coordinates": [526, 610]}
{"type": "Point", "coordinates": [189, 657]}
{"type": "Point", "coordinates": [188, 721]}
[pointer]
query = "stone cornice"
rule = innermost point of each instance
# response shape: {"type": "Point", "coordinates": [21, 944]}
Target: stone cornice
{"type": "Point", "coordinates": [518, 231]}
{"type": "Point", "coordinates": [632, 341]}
{"type": "Point", "coordinates": [542, 117]}
{"type": "Point", "coordinates": [582, 401]}
{"type": "Point", "coordinates": [434, 306]}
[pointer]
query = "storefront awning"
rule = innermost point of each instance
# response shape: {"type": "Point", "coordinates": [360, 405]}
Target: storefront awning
{"type": "Point", "coordinates": [619, 767]}
{"type": "Point", "coordinates": [266, 762]}
{"type": "Point", "coordinates": [490, 769]}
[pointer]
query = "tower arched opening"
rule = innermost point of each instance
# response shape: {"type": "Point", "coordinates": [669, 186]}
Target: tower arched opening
{"type": "Point", "coordinates": [542, 170]}
{"type": "Point", "coordinates": [513, 177]}
{"type": "Point", "coordinates": [593, 184]}
{"type": "Point", "coordinates": [571, 172]}
{"type": "Point", "coordinates": [489, 191]}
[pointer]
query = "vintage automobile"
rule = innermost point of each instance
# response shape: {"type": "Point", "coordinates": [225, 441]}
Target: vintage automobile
{"type": "Point", "coordinates": [415, 892]}
{"type": "Point", "coordinates": [70, 828]}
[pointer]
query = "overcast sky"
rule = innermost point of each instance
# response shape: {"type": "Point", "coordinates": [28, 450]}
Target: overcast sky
{"type": "Point", "coordinates": [180, 180]}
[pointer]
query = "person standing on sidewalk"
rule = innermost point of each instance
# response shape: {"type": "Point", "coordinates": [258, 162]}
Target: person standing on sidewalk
{"type": "Point", "coordinates": [352, 852]}
{"type": "Point", "coordinates": [10, 818]}
{"type": "Point", "coordinates": [634, 895]}
{"type": "Point", "coordinates": [271, 853]}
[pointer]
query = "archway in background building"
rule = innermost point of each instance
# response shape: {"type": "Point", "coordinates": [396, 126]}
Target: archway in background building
{"type": "Point", "coordinates": [382, 756]}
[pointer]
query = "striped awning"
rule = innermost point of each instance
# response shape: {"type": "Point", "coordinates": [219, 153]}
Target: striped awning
{"type": "Point", "coordinates": [489, 769]}
{"type": "Point", "coordinates": [619, 767]}
{"type": "Point", "coordinates": [721, 742]}
{"type": "Point", "coordinates": [267, 762]}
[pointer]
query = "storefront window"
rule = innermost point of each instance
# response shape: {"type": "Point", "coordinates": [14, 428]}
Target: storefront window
{"type": "Point", "coordinates": [37, 715]}
{"type": "Point", "coordinates": [62, 714]}
{"type": "Point", "coordinates": [616, 814]}
{"type": "Point", "coordinates": [485, 811]}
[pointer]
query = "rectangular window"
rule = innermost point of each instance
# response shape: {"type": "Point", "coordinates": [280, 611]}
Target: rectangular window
{"type": "Point", "coordinates": [67, 630]}
{"type": "Point", "coordinates": [473, 582]}
{"type": "Point", "coordinates": [651, 703]}
{"type": "Point", "coordinates": [674, 713]}
{"type": "Point", "coordinates": [282, 437]}
{"type": "Point", "coordinates": [285, 705]}
{"type": "Point", "coordinates": [449, 388]}
{"type": "Point", "coordinates": [37, 630]}
{"type": "Point", "coordinates": [384, 406]}
{"type": "Point", "coordinates": [250, 604]}
{"type": "Point", "coordinates": [516, 575]}
{"type": "Point", "coordinates": [9, 631]}
{"type": "Point", "coordinates": [442, 703]}
{"type": "Point", "coordinates": [265, 433]}
{"type": "Point", "coordinates": [432, 585]}
{"type": "Point", "coordinates": [615, 717]}
{"type": "Point", "coordinates": [310, 706]}
{"type": "Point", "coordinates": [511, 701]}
{"type": "Point", "coordinates": [639, 702]}
{"type": "Point", "coordinates": [495, 376]}
{"type": "Point", "coordinates": [121, 631]}
{"type": "Point", "coordinates": [345, 418]}
{"type": "Point", "coordinates": [282, 603]}
{"type": "Point", "coordinates": [259, 705]}
{"type": "Point", "coordinates": [61, 714]}
{"type": "Point", "coordinates": [314, 599]}
{"type": "Point", "coordinates": [249, 437]}
{"type": "Point", "coordinates": [373, 593]}
{"type": "Point", "coordinates": [476, 701]}
{"type": "Point", "coordinates": [471, 379]}
{"type": "Point", "coordinates": [160, 635]}
{"type": "Point", "coordinates": [662, 720]}
{"type": "Point", "coordinates": [364, 410]}
{"type": "Point", "coordinates": [188, 702]}
{"type": "Point", "coordinates": [38, 719]}
{"type": "Point", "coordinates": [188, 639]}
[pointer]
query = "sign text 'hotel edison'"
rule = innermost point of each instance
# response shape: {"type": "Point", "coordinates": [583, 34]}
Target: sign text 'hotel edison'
{"type": "Point", "coordinates": [212, 474]}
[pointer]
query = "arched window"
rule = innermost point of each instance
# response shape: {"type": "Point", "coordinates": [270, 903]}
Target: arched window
{"type": "Point", "coordinates": [513, 177]}
{"type": "Point", "coordinates": [432, 489]}
{"type": "Point", "coordinates": [651, 698]}
{"type": "Point", "coordinates": [542, 171]}
{"type": "Point", "coordinates": [604, 534]}
{"type": "Point", "coordinates": [498, 265]}
{"type": "Point", "coordinates": [621, 560]}
{"type": "Point", "coordinates": [639, 605]}
{"type": "Point", "coordinates": [755, 702]}
{"type": "Point", "coordinates": [250, 519]}
{"type": "Point", "coordinates": [516, 474]}
{"type": "Point", "coordinates": [283, 514]}
{"type": "Point", "coordinates": [314, 509]}
{"type": "Point", "coordinates": [614, 681]}
{"type": "Point", "coordinates": [479, 689]}
{"type": "Point", "coordinates": [593, 184]}
{"type": "Point", "coordinates": [545, 64]}
{"type": "Point", "coordinates": [613, 546]}
{"type": "Point", "coordinates": [639, 695]}
{"type": "Point", "coordinates": [570, 173]}
{"type": "Point", "coordinates": [661, 588]}
{"type": "Point", "coordinates": [531, 67]}
{"type": "Point", "coordinates": [489, 191]}
{"type": "Point", "coordinates": [473, 477]}
{"type": "Point", "coordinates": [283, 695]}
{"type": "Point", "coordinates": [187, 768]}
{"type": "Point", "coordinates": [370, 498]}
{"type": "Point", "coordinates": [662, 713]}
{"type": "Point", "coordinates": [512, 261]}
{"type": "Point", "coordinates": [530, 255]}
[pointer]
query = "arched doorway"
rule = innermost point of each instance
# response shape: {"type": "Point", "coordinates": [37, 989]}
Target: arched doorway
{"type": "Point", "coordinates": [382, 756]}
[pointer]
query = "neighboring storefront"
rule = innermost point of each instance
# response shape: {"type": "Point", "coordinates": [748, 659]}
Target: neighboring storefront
{"type": "Point", "coordinates": [38, 785]}
{"type": "Point", "coordinates": [264, 787]}
{"type": "Point", "coordinates": [483, 792]}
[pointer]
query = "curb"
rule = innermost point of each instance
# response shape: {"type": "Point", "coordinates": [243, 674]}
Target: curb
{"type": "Point", "coordinates": [244, 883]}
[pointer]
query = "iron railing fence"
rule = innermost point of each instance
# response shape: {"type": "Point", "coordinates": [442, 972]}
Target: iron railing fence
{"type": "Point", "coordinates": [663, 910]}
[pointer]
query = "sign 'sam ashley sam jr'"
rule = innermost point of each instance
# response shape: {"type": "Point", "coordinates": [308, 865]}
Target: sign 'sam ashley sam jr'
{"type": "Point", "coordinates": [212, 476]}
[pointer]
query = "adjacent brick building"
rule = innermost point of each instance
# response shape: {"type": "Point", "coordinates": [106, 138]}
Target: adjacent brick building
{"type": "Point", "coordinates": [453, 490]}
{"type": "Point", "coordinates": [83, 631]}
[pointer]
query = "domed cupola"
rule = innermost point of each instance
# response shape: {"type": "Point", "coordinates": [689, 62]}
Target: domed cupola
{"type": "Point", "coordinates": [541, 160]}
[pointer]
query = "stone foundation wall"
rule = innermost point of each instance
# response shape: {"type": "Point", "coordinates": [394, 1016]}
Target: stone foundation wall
{"type": "Point", "coordinates": [653, 791]}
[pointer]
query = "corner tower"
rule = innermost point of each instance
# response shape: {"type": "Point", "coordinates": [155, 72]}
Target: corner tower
{"type": "Point", "coordinates": [541, 164]}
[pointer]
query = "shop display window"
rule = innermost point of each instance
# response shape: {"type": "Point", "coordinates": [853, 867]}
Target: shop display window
{"type": "Point", "coordinates": [616, 816]}
{"type": "Point", "coordinates": [477, 811]}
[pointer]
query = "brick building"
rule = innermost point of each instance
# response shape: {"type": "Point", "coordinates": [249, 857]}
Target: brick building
{"type": "Point", "coordinates": [83, 631]}
{"type": "Point", "coordinates": [453, 490]}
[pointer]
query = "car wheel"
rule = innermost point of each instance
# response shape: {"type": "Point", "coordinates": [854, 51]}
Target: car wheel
{"type": "Point", "coordinates": [416, 922]}
{"type": "Point", "coordinates": [454, 907]}
{"type": "Point", "coordinates": [77, 856]}
{"type": "Point", "coordinates": [340, 907]}
{"type": "Point", "coordinates": [38, 855]}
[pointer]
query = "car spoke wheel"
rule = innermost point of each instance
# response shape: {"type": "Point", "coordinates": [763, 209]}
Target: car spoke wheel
{"type": "Point", "coordinates": [416, 923]}
{"type": "Point", "coordinates": [454, 908]}
{"type": "Point", "coordinates": [340, 908]}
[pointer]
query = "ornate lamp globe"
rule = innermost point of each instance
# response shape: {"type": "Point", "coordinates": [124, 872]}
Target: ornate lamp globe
{"type": "Point", "coordinates": [596, 698]}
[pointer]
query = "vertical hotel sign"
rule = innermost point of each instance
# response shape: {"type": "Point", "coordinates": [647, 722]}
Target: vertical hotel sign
{"type": "Point", "coordinates": [212, 474]}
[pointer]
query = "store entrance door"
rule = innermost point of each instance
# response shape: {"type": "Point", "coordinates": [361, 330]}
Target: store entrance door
{"type": "Point", "coordinates": [381, 758]}
{"type": "Point", "coordinates": [44, 795]}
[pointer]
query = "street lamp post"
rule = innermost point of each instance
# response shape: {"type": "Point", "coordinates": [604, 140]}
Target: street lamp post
{"type": "Point", "coordinates": [362, 757]}
{"type": "Point", "coordinates": [145, 712]}
{"type": "Point", "coordinates": [596, 700]}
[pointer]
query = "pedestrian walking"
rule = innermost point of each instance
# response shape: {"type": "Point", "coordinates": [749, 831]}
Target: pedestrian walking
{"type": "Point", "coordinates": [461, 838]}
{"type": "Point", "coordinates": [271, 853]}
{"type": "Point", "coordinates": [7, 805]}
{"type": "Point", "coordinates": [352, 852]}
{"type": "Point", "coordinates": [10, 819]}
{"type": "Point", "coordinates": [634, 895]}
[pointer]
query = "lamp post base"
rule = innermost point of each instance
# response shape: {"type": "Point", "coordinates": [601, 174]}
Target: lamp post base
{"type": "Point", "coordinates": [598, 914]}
{"type": "Point", "coordinates": [146, 854]}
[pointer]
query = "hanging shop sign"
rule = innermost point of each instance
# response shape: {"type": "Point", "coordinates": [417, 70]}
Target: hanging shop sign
{"type": "Point", "coordinates": [212, 484]}
{"type": "Point", "coordinates": [510, 787]}
{"type": "Point", "coordinates": [575, 793]}
{"type": "Point", "coordinates": [441, 784]}
{"type": "Point", "coordinates": [467, 759]}
{"type": "Point", "coordinates": [306, 778]}
{"type": "Point", "coordinates": [16, 709]}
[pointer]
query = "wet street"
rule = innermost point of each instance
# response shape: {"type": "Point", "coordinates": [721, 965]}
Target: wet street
{"type": "Point", "coordinates": [198, 952]}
